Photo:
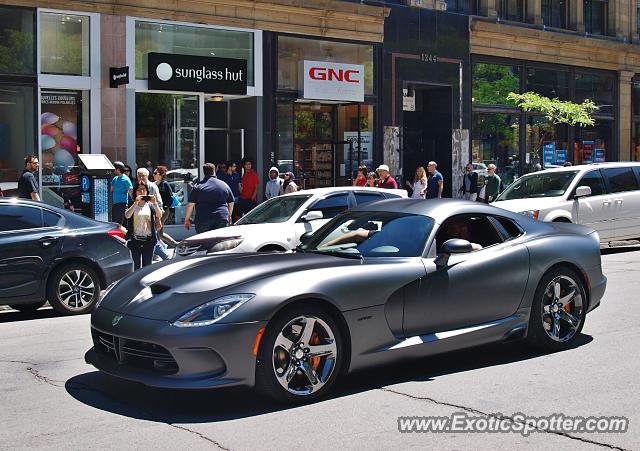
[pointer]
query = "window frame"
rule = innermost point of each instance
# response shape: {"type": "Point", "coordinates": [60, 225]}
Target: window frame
{"type": "Point", "coordinates": [588, 26]}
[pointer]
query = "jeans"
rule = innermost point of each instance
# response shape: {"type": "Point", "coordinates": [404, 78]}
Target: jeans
{"type": "Point", "coordinates": [470, 196]}
{"type": "Point", "coordinates": [141, 252]}
{"type": "Point", "coordinates": [245, 206]}
{"type": "Point", "coordinates": [205, 226]}
{"type": "Point", "coordinates": [160, 250]}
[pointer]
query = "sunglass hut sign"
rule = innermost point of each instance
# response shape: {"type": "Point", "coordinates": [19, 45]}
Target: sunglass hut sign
{"type": "Point", "coordinates": [197, 74]}
{"type": "Point", "coordinates": [333, 81]}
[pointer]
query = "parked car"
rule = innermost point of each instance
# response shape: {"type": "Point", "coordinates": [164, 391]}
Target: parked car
{"type": "Point", "coordinates": [602, 196]}
{"type": "Point", "coordinates": [47, 253]}
{"type": "Point", "coordinates": [278, 223]}
{"type": "Point", "coordinates": [384, 282]}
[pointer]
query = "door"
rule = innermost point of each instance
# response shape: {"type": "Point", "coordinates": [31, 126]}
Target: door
{"type": "Point", "coordinates": [27, 249]}
{"type": "Point", "coordinates": [596, 211]}
{"type": "Point", "coordinates": [473, 288]}
{"type": "Point", "coordinates": [625, 192]}
{"type": "Point", "coordinates": [222, 145]}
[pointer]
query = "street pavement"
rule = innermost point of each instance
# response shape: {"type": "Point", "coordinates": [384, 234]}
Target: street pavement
{"type": "Point", "coordinates": [50, 399]}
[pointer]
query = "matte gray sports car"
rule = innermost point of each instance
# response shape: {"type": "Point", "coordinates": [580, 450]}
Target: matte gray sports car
{"type": "Point", "coordinates": [386, 281]}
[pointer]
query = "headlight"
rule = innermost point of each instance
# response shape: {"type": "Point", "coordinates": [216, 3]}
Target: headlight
{"type": "Point", "coordinates": [533, 214]}
{"type": "Point", "coordinates": [226, 245]}
{"type": "Point", "coordinates": [104, 293]}
{"type": "Point", "coordinates": [212, 311]}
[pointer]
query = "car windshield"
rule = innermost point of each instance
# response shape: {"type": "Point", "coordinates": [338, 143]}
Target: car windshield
{"type": "Point", "coordinates": [545, 184]}
{"type": "Point", "coordinates": [277, 209]}
{"type": "Point", "coordinates": [372, 234]}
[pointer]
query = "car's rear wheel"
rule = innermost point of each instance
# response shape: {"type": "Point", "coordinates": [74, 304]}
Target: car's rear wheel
{"type": "Point", "coordinates": [28, 308]}
{"type": "Point", "coordinates": [558, 311]}
{"type": "Point", "coordinates": [300, 356]}
{"type": "Point", "coordinates": [74, 289]}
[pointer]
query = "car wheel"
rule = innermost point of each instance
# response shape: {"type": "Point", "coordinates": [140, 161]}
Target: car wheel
{"type": "Point", "coordinates": [558, 311]}
{"type": "Point", "coordinates": [28, 308]}
{"type": "Point", "coordinates": [74, 289]}
{"type": "Point", "coordinates": [300, 356]}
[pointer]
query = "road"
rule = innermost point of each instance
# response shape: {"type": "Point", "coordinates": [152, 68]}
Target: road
{"type": "Point", "coordinates": [52, 400]}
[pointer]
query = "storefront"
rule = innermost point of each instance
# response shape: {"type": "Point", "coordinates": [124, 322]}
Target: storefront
{"type": "Point", "coordinates": [324, 100]}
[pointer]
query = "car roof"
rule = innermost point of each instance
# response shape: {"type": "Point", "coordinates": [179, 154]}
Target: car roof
{"type": "Point", "coordinates": [75, 218]}
{"type": "Point", "coordinates": [338, 189]}
{"type": "Point", "coordinates": [586, 167]}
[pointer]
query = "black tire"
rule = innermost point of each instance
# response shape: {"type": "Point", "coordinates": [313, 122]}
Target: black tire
{"type": "Point", "coordinates": [266, 379]}
{"type": "Point", "coordinates": [537, 334]}
{"type": "Point", "coordinates": [28, 308]}
{"type": "Point", "coordinates": [78, 305]}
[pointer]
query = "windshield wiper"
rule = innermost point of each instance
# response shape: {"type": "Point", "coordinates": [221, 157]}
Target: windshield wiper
{"type": "Point", "coordinates": [339, 254]}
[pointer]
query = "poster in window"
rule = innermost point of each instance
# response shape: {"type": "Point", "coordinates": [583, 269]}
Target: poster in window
{"type": "Point", "coordinates": [549, 152]}
{"type": "Point", "coordinates": [599, 156]}
{"type": "Point", "coordinates": [561, 156]}
{"type": "Point", "coordinates": [587, 152]}
{"type": "Point", "coordinates": [364, 154]}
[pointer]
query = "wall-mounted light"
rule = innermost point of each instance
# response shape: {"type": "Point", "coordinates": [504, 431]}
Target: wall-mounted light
{"type": "Point", "coordinates": [217, 98]}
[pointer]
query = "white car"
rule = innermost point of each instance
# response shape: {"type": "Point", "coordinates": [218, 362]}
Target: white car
{"type": "Point", "coordinates": [602, 196]}
{"type": "Point", "coordinates": [278, 223]}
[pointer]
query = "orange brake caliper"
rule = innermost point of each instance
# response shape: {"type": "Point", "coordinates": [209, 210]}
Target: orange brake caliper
{"type": "Point", "coordinates": [315, 340]}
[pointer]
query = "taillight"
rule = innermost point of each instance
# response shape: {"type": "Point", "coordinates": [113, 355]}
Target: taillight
{"type": "Point", "coordinates": [117, 233]}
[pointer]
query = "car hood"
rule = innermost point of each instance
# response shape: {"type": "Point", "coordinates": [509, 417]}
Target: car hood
{"type": "Point", "coordinates": [167, 290]}
{"type": "Point", "coordinates": [235, 231]}
{"type": "Point", "coordinates": [536, 203]}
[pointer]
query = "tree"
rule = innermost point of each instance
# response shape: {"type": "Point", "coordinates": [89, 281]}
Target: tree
{"type": "Point", "coordinates": [557, 111]}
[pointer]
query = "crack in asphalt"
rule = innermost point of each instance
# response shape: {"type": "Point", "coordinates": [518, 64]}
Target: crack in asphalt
{"type": "Point", "coordinates": [501, 417]}
{"type": "Point", "coordinates": [202, 436]}
{"type": "Point", "coordinates": [35, 373]}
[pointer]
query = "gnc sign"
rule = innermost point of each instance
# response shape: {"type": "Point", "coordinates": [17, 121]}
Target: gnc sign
{"type": "Point", "coordinates": [333, 81]}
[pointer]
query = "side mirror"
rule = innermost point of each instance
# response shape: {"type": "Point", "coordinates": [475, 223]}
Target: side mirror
{"type": "Point", "coordinates": [306, 237]}
{"type": "Point", "coordinates": [452, 246]}
{"type": "Point", "coordinates": [312, 216]}
{"type": "Point", "coordinates": [582, 191]}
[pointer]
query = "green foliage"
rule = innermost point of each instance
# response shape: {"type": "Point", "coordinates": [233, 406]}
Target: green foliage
{"type": "Point", "coordinates": [16, 57]}
{"type": "Point", "coordinates": [555, 110]}
{"type": "Point", "coordinates": [492, 83]}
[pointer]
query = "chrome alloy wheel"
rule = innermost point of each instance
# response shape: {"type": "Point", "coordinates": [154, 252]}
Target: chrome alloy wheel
{"type": "Point", "coordinates": [562, 308]}
{"type": "Point", "coordinates": [304, 355]}
{"type": "Point", "coordinates": [76, 290]}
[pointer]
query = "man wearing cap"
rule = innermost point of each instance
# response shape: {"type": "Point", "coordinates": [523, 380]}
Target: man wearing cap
{"type": "Point", "coordinates": [121, 187]}
{"type": "Point", "coordinates": [386, 181]}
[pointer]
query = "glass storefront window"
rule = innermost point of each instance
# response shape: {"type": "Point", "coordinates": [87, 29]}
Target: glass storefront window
{"type": "Point", "coordinates": [189, 40]}
{"type": "Point", "coordinates": [361, 153]}
{"type": "Point", "coordinates": [284, 118]}
{"type": "Point", "coordinates": [548, 82]}
{"type": "Point", "coordinates": [635, 131]}
{"type": "Point", "coordinates": [598, 88]}
{"type": "Point", "coordinates": [493, 82]}
{"type": "Point", "coordinates": [595, 16]}
{"type": "Point", "coordinates": [292, 51]}
{"type": "Point", "coordinates": [64, 44]}
{"type": "Point", "coordinates": [510, 10]}
{"type": "Point", "coordinates": [594, 144]}
{"type": "Point", "coordinates": [17, 41]}
{"type": "Point", "coordinates": [167, 130]}
{"type": "Point", "coordinates": [313, 121]}
{"type": "Point", "coordinates": [462, 6]}
{"type": "Point", "coordinates": [17, 133]}
{"type": "Point", "coordinates": [554, 13]}
{"type": "Point", "coordinates": [495, 139]}
{"type": "Point", "coordinates": [547, 144]}
{"type": "Point", "coordinates": [63, 135]}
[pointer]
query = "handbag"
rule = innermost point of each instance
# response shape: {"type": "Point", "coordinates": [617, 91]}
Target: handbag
{"type": "Point", "coordinates": [175, 202]}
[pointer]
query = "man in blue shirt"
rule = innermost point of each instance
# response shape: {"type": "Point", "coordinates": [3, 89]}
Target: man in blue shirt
{"type": "Point", "coordinates": [212, 200]}
{"type": "Point", "coordinates": [233, 179]}
{"type": "Point", "coordinates": [121, 187]}
{"type": "Point", "coordinates": [435, 182]}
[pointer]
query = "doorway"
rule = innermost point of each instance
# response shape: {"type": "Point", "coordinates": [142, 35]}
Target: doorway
{"type": "Point", "coordinates": [426, 133]}
{"type": "Point", "coordinates": [221, 143]}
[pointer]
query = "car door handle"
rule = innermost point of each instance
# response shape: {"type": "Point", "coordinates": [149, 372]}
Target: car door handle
{"type": "Point", "coordinates": [47, 241]}
{"type": "Point", "coordinates": [606, 202]}
{"type": "Point", "coordinates": [619, 200]}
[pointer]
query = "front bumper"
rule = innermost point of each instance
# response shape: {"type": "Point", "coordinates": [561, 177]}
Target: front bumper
{"type": "Point", "coordinates": [157, 354]}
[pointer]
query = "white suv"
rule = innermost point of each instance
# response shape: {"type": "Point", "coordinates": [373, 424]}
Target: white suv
{"type": "Point", "coordinates": [603, 196]}
{"type": "Point", "coordinates": [278, 224]}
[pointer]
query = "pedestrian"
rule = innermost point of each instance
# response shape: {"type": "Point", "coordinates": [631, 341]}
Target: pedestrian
{"type": "Point", "coordinates": [143, 177]}
{"type": "Point", "coordinates": [567, 164]}
{"type": "Point", "coordinates": [361, 178]}
{"type": "Point", "coordinates": [232, 178]}
{"type": "Point", "coordinates": [28, 187]}
{"type": "Point", "coordinates": [129, 173]}
{"type": "Point", "coordinates": [143, 221]}
{"type": "Point", "coordinates": [386, 181]}
{"type": "Point", "coordinates": [435, 182]}
{"type": "Point", "coordinates": [419, 184]}
{"type": "Point", "coordinates": [166, 193]}
{"type": "Point", "coordinates": [274, 184]}
{"type": "Point", "coordinates": [212, 200]}
{"type": "Point", "coordinates": [221, 169]}
{"type": "Point", "coordinates": [492, 184]}
{"type": "Point", "coordinates": [289, 184]}
{"type": "Point", "coordinates": [248, 188]}
{"type": "Point", "coordinates": [121, 189]}
{"type": "Point", "coordinates": [469, 188]}
{"type": "Point", "coordinates": [372, 179]}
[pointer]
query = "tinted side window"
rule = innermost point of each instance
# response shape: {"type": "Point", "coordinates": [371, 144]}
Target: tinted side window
{"type": "Point", "coordinates": [636, 169]}
{"type": "Point", "coordinates": [331, 206]}
{"type": "Point", "coordinates": [507, 227]}
{"type": "Point", "coordinates": [50, 219]}
{"type": "Point", "coordinates": [17, 217]}
{"type": "Point", "coordinates": [474, 228]}
{"type": "Point", "coordinates": [363, 198]}
{"type": "Point", "coordinates": [621, 179]}
{"type": "Point", "coordinates": [594, 181]}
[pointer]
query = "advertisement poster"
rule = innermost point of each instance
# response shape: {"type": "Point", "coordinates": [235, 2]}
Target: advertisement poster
{"type": "Point", "coordinates": [366, 150]}
{"type": "Point", "coordinates": [587, 152]}
{"type": "Point", "coordinates": [60, 114]}
{"type": "Point", "coordinates": [561, 156]}
{"type": "Point", "coordinates": [599, 156]}
{"type": "Point", "coordinates": [549, 152]}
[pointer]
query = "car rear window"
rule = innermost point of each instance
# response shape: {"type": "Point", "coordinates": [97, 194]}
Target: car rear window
{"type": "Point", "coordinates": [621, 179]}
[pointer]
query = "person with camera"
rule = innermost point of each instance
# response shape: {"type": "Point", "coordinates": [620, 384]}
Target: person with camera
{"type": "Point", "coordinates": [143, 222]}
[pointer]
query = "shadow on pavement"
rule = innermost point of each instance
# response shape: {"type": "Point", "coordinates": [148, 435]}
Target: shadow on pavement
{"type": "Point", "coordinates": [134, 400]}
{"type": "Point", "coordinates": [9, 316]}
{"type": "Point", "coordinates": [619, 250]}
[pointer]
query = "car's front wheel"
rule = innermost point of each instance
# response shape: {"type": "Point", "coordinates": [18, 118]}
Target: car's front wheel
{"type": "Point", "coordinates": [558, 311]}
{"type": "Point", "coordinates": [300, 356]}
{"type": "Point", "coordinates": [73, 289]}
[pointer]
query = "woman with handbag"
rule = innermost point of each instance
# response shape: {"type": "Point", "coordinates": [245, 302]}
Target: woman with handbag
{"type": "Point", "coordinates": [143, 222]}
{"type": "Point", "coordinates": [168, 204]}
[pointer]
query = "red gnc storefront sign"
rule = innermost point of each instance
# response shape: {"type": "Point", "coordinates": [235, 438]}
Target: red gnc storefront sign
{"type": "Point", "coordinates": [333, 81]}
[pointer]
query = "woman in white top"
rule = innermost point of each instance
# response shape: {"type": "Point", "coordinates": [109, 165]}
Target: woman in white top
{"type": "Point", "coordinates": [419, 184]}
{"type": "Point", "coordinates": [143, 222]}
